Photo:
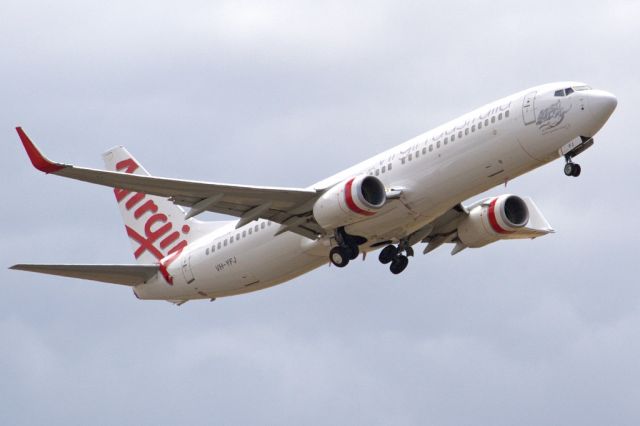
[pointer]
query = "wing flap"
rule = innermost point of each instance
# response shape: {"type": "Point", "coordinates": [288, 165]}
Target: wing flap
{"type": "Point", "coordinates": [129, 275]}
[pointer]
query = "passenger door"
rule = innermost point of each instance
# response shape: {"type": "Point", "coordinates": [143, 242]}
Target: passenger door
{"type": "Point", "coordinates": [528, 108]}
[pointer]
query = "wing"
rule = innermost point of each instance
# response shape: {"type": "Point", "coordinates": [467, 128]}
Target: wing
{"type": "Point", "coordinates": [291, 207]}
{"type": "Point", "coordinates": [444, 229]}
{"type": "Point", "coordinates": [130, 275]}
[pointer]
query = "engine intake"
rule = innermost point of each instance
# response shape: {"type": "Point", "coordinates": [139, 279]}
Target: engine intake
{"type": "Point", "coordinates": [492, 220]}
{"type": "Point", "coordinates": [350, 201]}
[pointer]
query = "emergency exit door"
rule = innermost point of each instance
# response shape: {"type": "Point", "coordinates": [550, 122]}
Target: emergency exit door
{"type": "Point", "coordinates": [186, 270]}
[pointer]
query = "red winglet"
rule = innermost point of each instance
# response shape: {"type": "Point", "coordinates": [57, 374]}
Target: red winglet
{"type": "Point", "coordinates": [38, 160]}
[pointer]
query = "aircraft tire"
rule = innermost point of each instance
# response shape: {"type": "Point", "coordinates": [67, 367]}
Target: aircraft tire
{"type": "Point", "coordinates": [352, 251]}
{"type": "Point", "coordinates": [399, 264]}
{"type": "Point", "coordinates": [388, 254]}
{"type": "Point", "coordinates": [568, 169]}
{"type": "Point", "coordinates": [576, 170]}
{"type": "Point", "coordinates": [339, 257]}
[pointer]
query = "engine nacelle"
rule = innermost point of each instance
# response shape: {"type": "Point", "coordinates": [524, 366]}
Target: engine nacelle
{"type": "Point", "coordinates": [494, 219]}
{"type": "Point", "coordinates": [350, 201]}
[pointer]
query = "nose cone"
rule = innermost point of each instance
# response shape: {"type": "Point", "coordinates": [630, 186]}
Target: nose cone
{"type": "Point", "coordinates": [602, 105]}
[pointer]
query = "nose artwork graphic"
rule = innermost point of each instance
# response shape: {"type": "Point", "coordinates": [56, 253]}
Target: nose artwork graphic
{"type": "Point", "coordinates": [551, 116]}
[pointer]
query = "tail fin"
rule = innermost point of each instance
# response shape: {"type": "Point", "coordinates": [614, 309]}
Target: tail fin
{"type": "Point", "coordinates": [156, 226]}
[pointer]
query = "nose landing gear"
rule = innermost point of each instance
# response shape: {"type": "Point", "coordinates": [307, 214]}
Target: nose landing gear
{"type": "Point", "coordinates": [393, 255]}
{"type": "Point", "coordinates": [571, 150]}
{"type": "Point", "coordinates": [571, 168]}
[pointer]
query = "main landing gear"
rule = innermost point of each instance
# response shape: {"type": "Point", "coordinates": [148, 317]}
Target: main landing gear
{"type": "Point", "coordinates": [393, 255]}
{"type": "Point", "coordinates": [347, 248]}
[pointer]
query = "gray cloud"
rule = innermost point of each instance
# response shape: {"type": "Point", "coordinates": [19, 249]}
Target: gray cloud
{"type": "Point", "coordinates": [286, 93]}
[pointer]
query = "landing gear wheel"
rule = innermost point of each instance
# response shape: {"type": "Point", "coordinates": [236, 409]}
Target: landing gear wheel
{"type": "Point", "coordinates": [339, 257]}
{"type": "Point", "coordinates": [399, 264]}
{"type": "Point", "coordinates": [576, 170]}
{"type": "Point", "coordinates": [388, 254]}
{"type": "Point", "coordinates": [572, 169]}
{"type": "Point", "coordinates": [352, 251]}
{"type": "Point", "coordinates": [568, 169]}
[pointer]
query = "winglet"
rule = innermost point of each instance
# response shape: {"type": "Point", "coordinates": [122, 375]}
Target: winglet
{"type": "Point", "coordinates": [38, 160]}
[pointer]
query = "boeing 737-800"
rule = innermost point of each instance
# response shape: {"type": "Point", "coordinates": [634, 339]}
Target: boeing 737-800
{"type": "Point", "coordinates": [410, 194]}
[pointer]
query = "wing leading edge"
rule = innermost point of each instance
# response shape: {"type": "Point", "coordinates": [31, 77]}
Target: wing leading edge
{"type": "Point", "coordinates": [129, 275]}
{"type": "Point", "coordinates": [291, 207]}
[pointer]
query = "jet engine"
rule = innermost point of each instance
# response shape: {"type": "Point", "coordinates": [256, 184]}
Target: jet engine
{"type": "Point", "coordinates": [350, 201]}
{"type": "Point", "coordinates": [494, 219]}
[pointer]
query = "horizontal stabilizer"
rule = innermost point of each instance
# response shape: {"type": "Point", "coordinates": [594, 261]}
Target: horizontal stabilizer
{"type": "Point", "coordinates": [130, 275]}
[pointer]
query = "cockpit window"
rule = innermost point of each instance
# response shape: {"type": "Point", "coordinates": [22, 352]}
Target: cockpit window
{"type": "Point", "coordinates": [570, 90]}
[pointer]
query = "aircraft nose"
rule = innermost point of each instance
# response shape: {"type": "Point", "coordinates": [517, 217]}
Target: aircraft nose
{"type": "Point", "coordinates": [602, 105]}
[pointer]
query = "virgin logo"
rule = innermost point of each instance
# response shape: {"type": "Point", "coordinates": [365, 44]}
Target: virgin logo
{"type": "Point", "coordinates": [159, 239]}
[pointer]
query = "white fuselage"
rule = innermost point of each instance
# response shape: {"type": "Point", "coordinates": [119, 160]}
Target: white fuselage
{"type": "Point", "coordinates": [435, 171]}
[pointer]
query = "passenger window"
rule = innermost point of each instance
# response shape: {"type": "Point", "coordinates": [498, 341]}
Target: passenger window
{"type": "Point", "coordinates": [473, 128]}
{"type": "Point", "coordinates": [410, 157]}
{"type": "Point", "coordinates": [506, 114]}
{"type": "Point", "coordinates": [238, 236]}
{"type": "Point", "coordinates": [231, 240]}
{"type": "Point", "coordinates": [389, 166]}
{"type": "Point", "coordinates": [262, 225]}
{"type": "Point", "coordinates": [225, 242]}
{"type": "Point", "coordinates": [244, 234]}
{"type": "Point", "coordinates": [250, 230]}
{"type": "Point", "coordinates": [466, 131]}
{"type": "Point", "coordinates": [453, 138]}
{"type": "Point", "coordinates": [500, 116]}
{"type": "Point", "coordinates": [207, 251]}
{"type": "Point", "coordinates": [486, 122]}
{"type": "Point", "coordinates": [417, 154]}
{"type": "Point", "coordinates": [219, 245]}
{"type": "Point", "coordinates": [438, 144]}
{"type": "Point", "coordinates": [384, 169]}
{"type": "Point", "coordinates": [445, 141]}
{"type": "Point", "coordinates": [377, 172]}
{"type": "Point", "coordinates": [480, 125]}
{"type": "Point", "coordinates": [430, 147]}
{"type": "Point", "coordinates": [424, 150]}
{"type": "Point", "coordinates": [268, 223]}
{"type": "Point", "coordinates": [460, 134]}
{"type": "Point", "coordinates": [493, 119]}
{"type": "Point", "coordinates": [213, 249]}
{"type": "Point", "coordinates": [256, 228]}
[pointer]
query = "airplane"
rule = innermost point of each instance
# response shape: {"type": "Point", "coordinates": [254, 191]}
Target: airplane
{"type": "Point", "coordinates": [410, 194]}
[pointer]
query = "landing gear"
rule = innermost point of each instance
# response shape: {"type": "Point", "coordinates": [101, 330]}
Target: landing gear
{"type": "Point", "coordinates": [347, 248]}
{"type": "Point", "coordinates": [571, 168]}
{"type": "Point", "coordinates": [339, 257]}
{"type": "Point", "coordinates": [387, 254]}
{"type": "Point", "coordinates": [571, 150]}
{"type": "Point", "coordinates": [392, 254]}
{"type": "Point", "coordinates": [399, 264]}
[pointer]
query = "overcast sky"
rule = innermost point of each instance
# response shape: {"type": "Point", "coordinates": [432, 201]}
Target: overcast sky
{"type": "Point", "coordinates": [287, 93]}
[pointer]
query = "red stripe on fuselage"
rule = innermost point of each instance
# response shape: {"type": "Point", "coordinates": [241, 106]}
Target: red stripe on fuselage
{"type": "Point", "coordinates": [349, 199]}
